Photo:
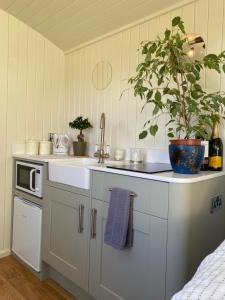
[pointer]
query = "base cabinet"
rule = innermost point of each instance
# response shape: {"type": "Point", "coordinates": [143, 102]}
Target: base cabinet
{"type": "Point", "coordinates": [174, 229]}
{"type": "Point", "coordinates": [130, 274]}
{"type": "Point", "coordinates": [65, 234]}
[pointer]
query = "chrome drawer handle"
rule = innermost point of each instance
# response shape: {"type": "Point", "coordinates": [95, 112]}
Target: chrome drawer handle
{"type": "Point", "coordinates": [131, 194]}
{"type": "Point", "coordinates": [81, 219]}
{"type": "Point", "coordinates": [93, 222]}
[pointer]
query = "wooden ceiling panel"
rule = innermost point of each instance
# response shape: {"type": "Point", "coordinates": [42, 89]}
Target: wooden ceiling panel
{"type": "Point", "coordinates": [18, 6]}
{"type": "Point", "coordinates": [69, 23]}
{"type": "Point", "coordinates": [4, 4]}
{"type": "Point", "coordinates": [51, 8]}
{"type": "Point", "coordinates": [86, 18]}
{"type": "Point", "coordinates": [69, 12]}
{"type": "Point", "coordinates": [110, 18]}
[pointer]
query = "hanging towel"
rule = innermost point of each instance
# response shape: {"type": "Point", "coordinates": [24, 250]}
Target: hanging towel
{"type": "Point", "coordinates": [119, 224]}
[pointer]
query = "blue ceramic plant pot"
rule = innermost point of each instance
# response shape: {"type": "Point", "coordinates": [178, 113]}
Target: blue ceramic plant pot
{"type": "Point", "coordinates": [186, 159]}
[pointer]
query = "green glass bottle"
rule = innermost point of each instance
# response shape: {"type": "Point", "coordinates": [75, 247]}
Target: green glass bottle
{"type": "Point", "coordinates": [215, 150]}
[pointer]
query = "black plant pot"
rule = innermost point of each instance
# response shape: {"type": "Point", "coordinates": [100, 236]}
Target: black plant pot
{"type": "Point", "coordinates": [79, 148]}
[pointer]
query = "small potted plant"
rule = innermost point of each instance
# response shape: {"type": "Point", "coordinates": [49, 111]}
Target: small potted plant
{"type": "Point", "coordinates": [168, 79]}
{"type": "Point", "coordinates": [79, 146]}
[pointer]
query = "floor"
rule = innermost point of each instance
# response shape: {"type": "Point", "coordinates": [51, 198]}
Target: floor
{"type": "Point", "coordinates": [18, 283]}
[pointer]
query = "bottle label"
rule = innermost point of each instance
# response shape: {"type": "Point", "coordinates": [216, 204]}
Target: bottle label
{"type": "Point", "coordinates": [215, 162]}
{"type": "Point", "coordinates": [206, 144]}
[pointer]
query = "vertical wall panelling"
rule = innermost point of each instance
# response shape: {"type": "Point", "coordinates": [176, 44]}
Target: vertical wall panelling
{"type": "Point", "coordinates": [31, 84]}
{"type": "Point", "coordinates": [141, 115]}
{"type": "Point", "coordinates": [39, 101]}
{"type": "Point", "coordinates": [11, 129]}
{"type": "Point", "coordinates": [160, 140]}
{"type": "Point", "coordinates": [125, 121]}
{"type": "Point", "coordinates": [31, 99]}
{"type": "Point", "coordinates": [201, 26]}
{"type": "Point", "coordinates": [3, 116]}
{"type": "Point", "coordinates": [215, 24]}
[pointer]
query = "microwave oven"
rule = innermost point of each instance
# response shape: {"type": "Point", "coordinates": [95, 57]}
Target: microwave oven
{"type": "Point", "coordinates": [29, 178]}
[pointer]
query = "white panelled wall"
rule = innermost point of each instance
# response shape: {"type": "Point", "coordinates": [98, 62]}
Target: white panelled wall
{"type": "Point", "coordinates": [124, 119]}
{"type": "Point", "coordinates": [31, 100]}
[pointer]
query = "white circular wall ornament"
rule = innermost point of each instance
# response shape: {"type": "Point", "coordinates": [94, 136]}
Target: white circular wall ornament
{"type": "Point", "coordinates": [102, 75]}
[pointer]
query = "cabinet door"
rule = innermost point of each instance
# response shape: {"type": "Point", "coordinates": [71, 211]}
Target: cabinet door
{"type": "Point", "coordinates": [65, 234]}
{"type": "Point", "coordinates": [130, 274]}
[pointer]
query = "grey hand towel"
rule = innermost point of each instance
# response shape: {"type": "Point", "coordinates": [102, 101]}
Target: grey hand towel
{"type": "Point", "coordinates": [119, 225]}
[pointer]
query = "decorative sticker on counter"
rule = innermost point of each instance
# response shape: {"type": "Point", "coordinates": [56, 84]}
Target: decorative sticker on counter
{"type": "Point", "coordinates": [216, 203]}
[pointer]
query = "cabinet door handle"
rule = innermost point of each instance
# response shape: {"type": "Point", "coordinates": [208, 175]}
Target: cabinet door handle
{"type": "Point", "coordinates": [81, 218]}
{"type": "Point", "coordinates": [93, 222]}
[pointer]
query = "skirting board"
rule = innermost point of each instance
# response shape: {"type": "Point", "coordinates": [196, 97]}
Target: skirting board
{"type": "Point", "coordinates": [5, 253]}
{"type": "Point", "coordinates": [69, 286]}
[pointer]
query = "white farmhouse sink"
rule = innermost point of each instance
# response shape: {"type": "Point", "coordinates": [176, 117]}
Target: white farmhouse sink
{"type": "Point", "coordinates": [75, 171]}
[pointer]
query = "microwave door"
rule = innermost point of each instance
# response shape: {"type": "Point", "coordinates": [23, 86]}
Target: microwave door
{"type": "Point", "coordinates": [26, 178]}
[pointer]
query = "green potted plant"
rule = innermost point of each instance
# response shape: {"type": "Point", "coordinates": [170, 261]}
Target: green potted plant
{"type": "Point", "coordinates": [168, 78]}
{"type": "Point", "coordinates": [79, 146]}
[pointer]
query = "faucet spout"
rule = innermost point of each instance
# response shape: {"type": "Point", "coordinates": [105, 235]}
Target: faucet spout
{"type": "Point", "coordinates": [102, 142]}
{"type": "Point", "coordinates": [102, 122]}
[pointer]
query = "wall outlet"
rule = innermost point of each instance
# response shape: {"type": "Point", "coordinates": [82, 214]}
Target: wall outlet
{"type": "Point", "coordinates": [216, 203]}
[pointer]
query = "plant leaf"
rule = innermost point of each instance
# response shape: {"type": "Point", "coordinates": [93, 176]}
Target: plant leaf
{"type": "Point", "coordinates": [143, 134]}
{"type": "Point", "coordinates": [167, 34]}
{"type": "Point", "coordinates": [170, 134]}
{"type": "Point", "coordinates": [158, 96]}
{"type": "Point", "coordinates": [155, 110]}
{"type": "Point", "coordinates": [153, 129]}
{"type": "Point", "coordinates": [191, 78]}
{"type": "Point", "coordinates": [176, 21]}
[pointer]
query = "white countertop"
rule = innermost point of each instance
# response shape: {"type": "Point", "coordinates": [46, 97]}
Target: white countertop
{"type": "Point", "coordinates": [42, 158]}
{"type": "Point", "coordinates": [163, 176]}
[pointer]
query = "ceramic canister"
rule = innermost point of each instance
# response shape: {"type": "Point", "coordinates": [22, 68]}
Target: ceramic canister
{"type": "Point", "coordinates": [31, 147]}
{"type": "Point", "coordinates": [45, 148]}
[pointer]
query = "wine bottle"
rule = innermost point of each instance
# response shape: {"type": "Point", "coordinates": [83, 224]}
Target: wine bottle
{"type": "Point", "coordinates": [215, 150]}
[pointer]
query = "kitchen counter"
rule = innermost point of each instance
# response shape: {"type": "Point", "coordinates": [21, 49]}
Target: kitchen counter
{"type": "Point", "coordinates": [42, 158]}
{"type": "Point", "coordinates": [164, 176]}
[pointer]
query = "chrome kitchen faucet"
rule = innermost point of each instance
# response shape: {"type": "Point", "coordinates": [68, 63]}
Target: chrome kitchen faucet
{"type": "Point", "coordinates": [102, 142]}
{"type": "Point", "coordinates": [100, 153]}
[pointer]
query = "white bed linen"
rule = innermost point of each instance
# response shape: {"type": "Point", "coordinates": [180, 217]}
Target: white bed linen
{"type": "Point", "coordinates": [208, 281]}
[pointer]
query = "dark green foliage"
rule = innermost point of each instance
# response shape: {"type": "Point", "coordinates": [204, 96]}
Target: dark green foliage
{"type": "Point", "coordinates": [167, 79]}
{"type": "Point", "coordinates": [81, 124]}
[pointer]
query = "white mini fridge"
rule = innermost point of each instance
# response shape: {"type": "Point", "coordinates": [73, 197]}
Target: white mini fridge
{"type": "Point", "coordinates": [27, 223]}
